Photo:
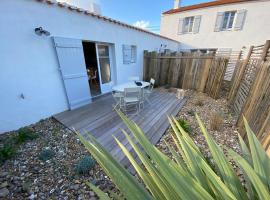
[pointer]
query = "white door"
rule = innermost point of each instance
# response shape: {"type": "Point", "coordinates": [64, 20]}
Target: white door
{"type": "Point", "coordinates": [72, 66]}
{"type": "Point", "coordinates": [104, 52]}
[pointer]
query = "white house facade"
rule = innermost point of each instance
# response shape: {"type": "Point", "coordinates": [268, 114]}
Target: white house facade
{"type": "Point", "coordinates": [48, 48]}
{"type": "Point", "coordinates": [218, 24]}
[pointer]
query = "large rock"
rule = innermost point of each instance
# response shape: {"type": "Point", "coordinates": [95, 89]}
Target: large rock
{"type": "Point", "coordinates": [4, 192]}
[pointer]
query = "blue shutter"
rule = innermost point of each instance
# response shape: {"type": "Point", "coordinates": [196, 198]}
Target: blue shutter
{"type": "Point", "coordinates": [219, 21]}
{"type": "Point", "coordinates": [73, 70]}
{"type": "Point", "coordinates": [180, 26]}
{"type": "Point", "coordinates": [197, 22]}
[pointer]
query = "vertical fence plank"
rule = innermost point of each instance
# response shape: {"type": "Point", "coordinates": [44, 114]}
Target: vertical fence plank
{"type": "Point", "coordinates": [204, 74]}
{"type": "Point", "coordinates": [146, 65]}
{"type": "Point", "coordinates": [165, 62]}
{"type": "Point", "coordinates": [176, 70]}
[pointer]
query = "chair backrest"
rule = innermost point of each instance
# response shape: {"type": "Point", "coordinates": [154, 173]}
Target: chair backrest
{"type": "Point", "coordinates": [152, 81]}
{"type": "Point", "coordinates": [134, 78]}
{"type": "Point", "coordinates": [132, 92]}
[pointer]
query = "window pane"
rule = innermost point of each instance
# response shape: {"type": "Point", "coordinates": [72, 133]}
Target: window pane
{"type": "Point", "coordinates": [105, 70]}
{"type": "Point", "coordinates": [103, 50]}
{"type": "Point", "coordinates": [191, 24]}
{"type": "Point", "coordinates": [186, 23]}
{"type": "Point", "coordinates": [133, 54]}
{"type": "Point", "coordinates": [225, 20]}
{"type": "Point", "coordinates": [231, 20]}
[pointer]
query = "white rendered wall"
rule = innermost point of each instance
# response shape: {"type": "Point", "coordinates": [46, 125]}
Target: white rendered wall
{"type": "Point", "coordinates": [28, 62]}
{"type": "Point", "coordinates": [256, 29]}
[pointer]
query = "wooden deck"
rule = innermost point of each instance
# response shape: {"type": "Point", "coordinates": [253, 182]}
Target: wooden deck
{"type": "Point", "coordinates": [99, 119]}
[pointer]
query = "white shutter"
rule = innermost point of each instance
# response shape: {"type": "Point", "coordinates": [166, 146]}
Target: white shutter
{"type": "Point", "coordinates": [126, 54]}
{"type": "Point", "coordinates": [219, 21]}
{"type": "Point", "coordinates": [240, 19]}
{"type": "Point", "coordinates": [197, 22]}
{"type": "Point", "coordinates": [180, 26]}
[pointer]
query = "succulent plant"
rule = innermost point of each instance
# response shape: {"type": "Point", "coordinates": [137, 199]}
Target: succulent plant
{"type": "Point", "coordinates": [85, 165]}
{"type": "Point", "coordinates": [46, 154]}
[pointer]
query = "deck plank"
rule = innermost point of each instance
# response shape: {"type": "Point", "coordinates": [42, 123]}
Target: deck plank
{"type": "Point", "coordinates": [102, 121]}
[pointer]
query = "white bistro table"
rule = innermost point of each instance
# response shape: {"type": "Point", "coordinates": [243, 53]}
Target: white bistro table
{"type": "Point", "coordinates": [131, 84]}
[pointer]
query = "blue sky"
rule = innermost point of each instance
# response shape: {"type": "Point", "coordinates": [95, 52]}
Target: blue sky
{"type": "Point", "coordinates": [144, 12]}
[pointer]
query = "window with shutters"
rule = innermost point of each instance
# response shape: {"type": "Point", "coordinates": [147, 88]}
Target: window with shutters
{"type": "Point", "coordinates": [228, 20]}
{"type": "Point", "coordinates": [188, 25]}
{"type": "Point", "coordinates": [129, 54]}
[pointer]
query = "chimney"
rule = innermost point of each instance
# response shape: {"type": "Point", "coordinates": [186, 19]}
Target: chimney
{"type": "Point", "coordinates": [177, 4]}
{"type": "Point", "coordinates": [90, 5]}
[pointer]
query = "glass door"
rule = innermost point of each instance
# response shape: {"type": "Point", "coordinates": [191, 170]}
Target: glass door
{"type": "Point", "coordinates": [104, 65]}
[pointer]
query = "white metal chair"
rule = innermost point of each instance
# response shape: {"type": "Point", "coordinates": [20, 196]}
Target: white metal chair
{"type": "Point", "coordinates": [118, 97]}
{"type": "Point", "coordinates": [132, 98]}
{"type": "Point", "coordinates": [134, 78]}
{"type": "Point", "coordinates": [148, 91]}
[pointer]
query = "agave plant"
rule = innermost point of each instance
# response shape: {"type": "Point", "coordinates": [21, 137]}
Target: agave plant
{"type": "Point", "coordinates": [188, 175]}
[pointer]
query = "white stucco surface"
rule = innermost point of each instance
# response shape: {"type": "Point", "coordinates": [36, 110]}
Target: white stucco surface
{"type": "Point", "coordinates": [29, 65]}
{"type": "Point", "coordinates": [256, 29]}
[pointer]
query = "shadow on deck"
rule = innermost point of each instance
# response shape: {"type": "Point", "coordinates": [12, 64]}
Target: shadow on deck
{"type": "Point", "coordinates": [102, 121]}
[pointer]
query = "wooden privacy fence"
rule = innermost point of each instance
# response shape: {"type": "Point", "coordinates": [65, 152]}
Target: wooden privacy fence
{"type": "Point", "coordinates": [201, 72]}
{"type": "Point", "coordinates": [250, 92]}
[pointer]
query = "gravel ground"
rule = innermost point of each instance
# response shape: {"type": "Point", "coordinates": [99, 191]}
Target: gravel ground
{"type": "Point", "coordinates": [226, 137]}
{"type": "Point", "coordinates": [27, 177]}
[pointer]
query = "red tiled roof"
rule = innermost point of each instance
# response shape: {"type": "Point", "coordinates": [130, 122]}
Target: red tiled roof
{"type": "Point", "coordinates": [204, 5]}
{"type": "Point", "coordinates": [82, 11]}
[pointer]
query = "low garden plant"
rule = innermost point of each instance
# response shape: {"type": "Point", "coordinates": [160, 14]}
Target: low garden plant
{"type": "Point", "coordinates": [6, 152]}
{"type": "Point", "coordinates": [188, 175]}
{"type": "Point", "coordinates": [185, 125]}
{"type": "Point", "coordinates": [85, 165]}
{"type": "Point", "coordinates": [199, 102]}
{"type": "Point", "coordinates": [10, 145]}
{"type": "Point", "coordinates": [216, 121]}
{"type": "Point", "coordinates": [24, 134]}
{"type": "Point", "coordinates": [46, 154]}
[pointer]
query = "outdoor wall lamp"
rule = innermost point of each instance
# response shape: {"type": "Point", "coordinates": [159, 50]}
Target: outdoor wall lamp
{"type": "Point", "coordinates": [39, 31]}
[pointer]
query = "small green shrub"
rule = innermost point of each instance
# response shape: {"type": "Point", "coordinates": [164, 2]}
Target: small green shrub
{"type": "Point", "coordinates": [85, 165]}
{"type": "Point", "coordinates": [185, 125]}
{"type": "Point", "coordinates": [24, 134]}
{"type": "Point", "coordinates": [7, 152]}
{"type": "Point", "coordinates": [199, 102]}
{"type": "Point", "coordinates": [46, 154]}
{"type": "Point", "coordinates": [191, 112]}
{"type": "Point", "coordinates": [216, 121]}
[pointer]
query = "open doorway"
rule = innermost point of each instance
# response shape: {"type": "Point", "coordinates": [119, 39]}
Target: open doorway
{"type": "Point", "coordinates": [90, 56]}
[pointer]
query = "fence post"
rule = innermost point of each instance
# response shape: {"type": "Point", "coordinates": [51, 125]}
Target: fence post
{"type": "Point", "coordinates": [239, 77]}
{"type": "Point", "coordinates": [145, 65]}
{"type": "Point", "coordinates": [265, 50]}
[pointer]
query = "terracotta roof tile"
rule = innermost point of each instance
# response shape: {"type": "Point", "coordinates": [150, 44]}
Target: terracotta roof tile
{"type": "Point", "coordinates": [86, 12]}
{"type": "Point", "coordinates": [204, 5]}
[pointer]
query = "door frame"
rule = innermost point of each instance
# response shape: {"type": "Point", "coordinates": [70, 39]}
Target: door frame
{"type": "Point", "coordinates": [107, 87]}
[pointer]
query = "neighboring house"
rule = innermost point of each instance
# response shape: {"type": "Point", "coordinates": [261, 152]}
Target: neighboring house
{"type": "Point", "coordinates": [50, 69]}
{"type": "Point", "coordinates": [221, 24]}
